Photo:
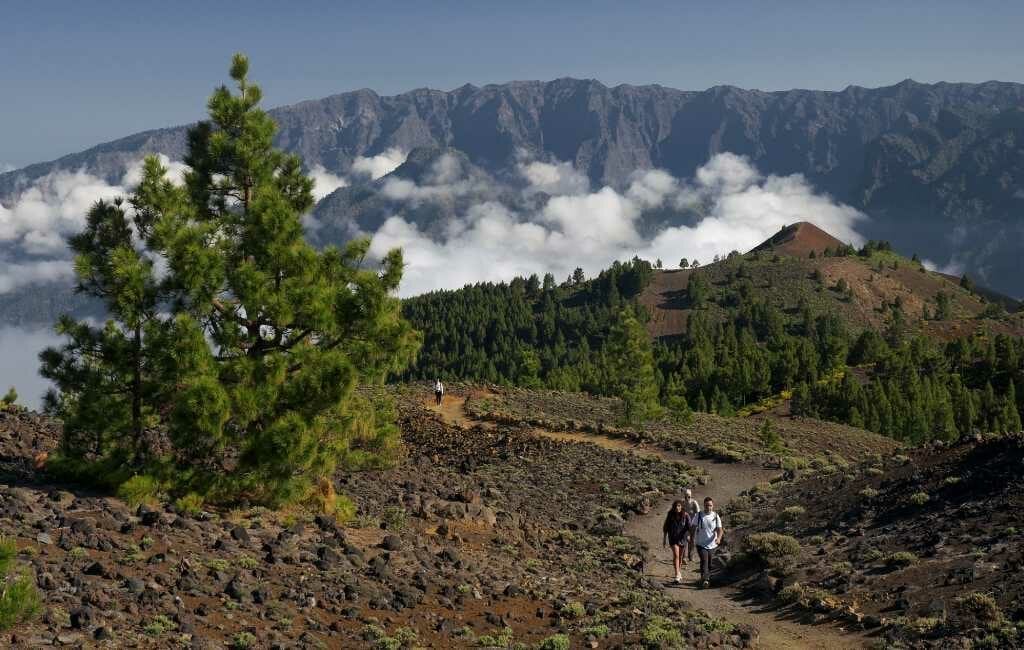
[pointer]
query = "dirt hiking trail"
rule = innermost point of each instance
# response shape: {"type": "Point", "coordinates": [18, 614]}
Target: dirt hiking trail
{"type": "Point", "coordinates": [776, 628]}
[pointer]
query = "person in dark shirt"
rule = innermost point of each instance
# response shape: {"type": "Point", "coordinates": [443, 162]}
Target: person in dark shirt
{"type": "Point", "coordinates": [676, 531]}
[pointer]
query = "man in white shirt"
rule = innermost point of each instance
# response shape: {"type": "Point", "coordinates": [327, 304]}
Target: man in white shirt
{"type": "Point", "coordinates": [707, 537]}
{"type": "Point", "coordinates": [438, 391]}
{"type": "Point", "coordinates": [692, 509]}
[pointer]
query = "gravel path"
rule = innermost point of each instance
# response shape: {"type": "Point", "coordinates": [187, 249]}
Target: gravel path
{"type": "Point", "coordinates": [727, 480]}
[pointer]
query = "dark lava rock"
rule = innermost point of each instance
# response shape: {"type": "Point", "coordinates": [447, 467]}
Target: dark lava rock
{"type": "Point", "coordinates": [148, 516]}
{"type": "Point", "coordinates": [236, 588]}
{"type": "Point", "coordinates": [97, 569]}
{"type": "Point", "coordinates": [81, 617]}
{"type": "Point", "coordinates": [240, 534]}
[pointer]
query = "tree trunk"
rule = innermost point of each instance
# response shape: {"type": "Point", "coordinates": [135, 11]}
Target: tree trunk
{"type": "Point", "coordinates": [137, 394]}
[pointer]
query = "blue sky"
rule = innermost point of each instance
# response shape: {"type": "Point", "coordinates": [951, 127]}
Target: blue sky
{"type": "Point", "coordinates": [73, 74]}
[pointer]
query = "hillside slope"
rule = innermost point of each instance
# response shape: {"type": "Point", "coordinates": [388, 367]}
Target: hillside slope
{"type": "Point", "coordinates": [928, 544]}
{"type": "Point", "coordinates": [714, 436]}
{"type": "Point", "coordinates": [859, 288]}
{"type": "Point", "coordinates": [474, 536]}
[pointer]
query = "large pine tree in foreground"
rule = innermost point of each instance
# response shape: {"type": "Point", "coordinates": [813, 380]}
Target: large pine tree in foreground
{"type": "Point", "coordinates": [229, 362]}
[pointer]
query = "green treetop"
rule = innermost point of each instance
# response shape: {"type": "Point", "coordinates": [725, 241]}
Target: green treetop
{"type": "Point", "coordinates": [246, 344]}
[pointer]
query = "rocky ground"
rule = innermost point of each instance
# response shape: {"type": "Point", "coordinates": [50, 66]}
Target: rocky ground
{"type": "Point", "coordinates": [928, 545]}
{"type": "Point", "coordinates": [481, 538]}
{"type": "Point", "coordinates": [805, 440]}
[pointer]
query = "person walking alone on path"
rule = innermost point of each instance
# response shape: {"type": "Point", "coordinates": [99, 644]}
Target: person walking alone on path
{"type": "Point", "coordinates": [692, 509]}
{"type": "Point", "coordinates": [675, 531]}
{"type": "Point", "coordinates": [707, 538]}
{"type": "Point", "coordinates": [438, 391]}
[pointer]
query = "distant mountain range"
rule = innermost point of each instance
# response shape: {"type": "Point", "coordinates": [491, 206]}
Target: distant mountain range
{"type": "Point", "coordinates": [939, 168]}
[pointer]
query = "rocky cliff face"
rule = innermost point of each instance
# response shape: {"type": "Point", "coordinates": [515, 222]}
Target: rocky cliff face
{"type": "Point", "coordinates": [939, 167]}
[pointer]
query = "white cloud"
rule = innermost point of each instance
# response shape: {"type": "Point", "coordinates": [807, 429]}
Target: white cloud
{"type": "Point", "coordinates": [324, 182]}
{"type": "Point", "coordinates": [578, 227]}
{"type": "Point", "coordinates": [553, 178]}
{"type": "Point", "coordinates": [6, 167]}
{"type": "Point", "coordinates": [380, 165]}
{"type": "Point", "coordinates": [35, 228]}
{"type": "Point", "coordinates": [19, 274]}
{"type": "Point", "coordinates": [54, 206]}
{"type": "Point", "coordinates": [446, 179]}
{"type": "Point", "coordinates": [952, 267]}
{"type": "Point", "coordinates": [175, 172]}
{"type": "Point", "coordinates": [651, 187]}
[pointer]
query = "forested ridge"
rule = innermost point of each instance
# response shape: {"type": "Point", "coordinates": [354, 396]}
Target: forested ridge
{"type": "Point", "coordinates": [747, 346]}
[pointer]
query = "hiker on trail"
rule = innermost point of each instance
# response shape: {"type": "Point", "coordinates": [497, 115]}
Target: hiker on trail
{"type": "Point", "coordinates": [692, 509]}
{"type": "Point", "coordinates": [675, 531]}
{"type": "Point", "coordinates": [707, 538]}
{"type": "Point", "coordinates": [438, 391]}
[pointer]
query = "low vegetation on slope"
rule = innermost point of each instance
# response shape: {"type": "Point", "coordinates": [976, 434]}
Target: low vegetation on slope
{"type": "Point", "coordinates": [480, 538]}
{"type": "Point", "coordinates": [928, 545]}
{"type": "Point", "coordinates": [797, 442]}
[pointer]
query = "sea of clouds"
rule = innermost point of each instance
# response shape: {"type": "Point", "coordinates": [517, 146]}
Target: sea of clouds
{"type": "Point", "coordinates": [732, 207]}
{"type": "Point", "coordinates": [555, 221]}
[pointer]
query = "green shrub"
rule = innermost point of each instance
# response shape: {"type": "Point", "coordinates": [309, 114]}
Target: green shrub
{"type": "Point", "coordinates": [140, 489]}
{"type": "Point", "coordinates": [394, 518]}
{"type": "Point", "coordinates": [218, 564]}
{"type": "Point", "coordinates": [791, 593]}
{"type": "Point", "coordinates": [248, 562]}
{"type": "Point", "coordinates": [408, 636]}
{"type": "Point", "coordinates": [919, 498]}
{"type": "Point", "coordinates": [772, 549]}
{"type": "Point", "coordinates": [555, 642]}
{"type": "Point", "coordinates": [190, 504]}
{"type": "Point", "coordinates": [10, 398]}
{"type": "Point", "coordinates": [574, 609]}
{"type": "Point", "coordinates": [976, 607]}
{"type": "Point", "coordinates": [599, 631]}
{"type": "Point", "coordinates": [792, 513]}
{"type": "Point", "coordinates": [795, 463]}
{"type": "Point", "coordinates": [875, 471]}
{"type": "Point", "coordinates": [243, 641]}
{"type": "Point", "coordinates": [869, 493]}
{"type": "Point", "coordinates": [661, 633]}
{"type": "Point", "coordinates": [19, 600]}
{"type": "Point", "coordinates": [951, 480]}
{"type": "Point", "coordinates": [502, 640]}
{"type": "Point", "coordinates": [842, 568]}
{"type": "Point", "coordinates": [159, 625]}
{"type": "Point", "coordinates": [901, 559]}
{"type": "Point", "coordinates": [743, 518]}
{"type": "Point", "coordinates": [872, 555]}
{"type": "Point", "coordinates": [344, 509]}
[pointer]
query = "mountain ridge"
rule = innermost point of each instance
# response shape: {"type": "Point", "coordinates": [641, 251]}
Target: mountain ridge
{"type": "Point", "coordinates": [938, 167]}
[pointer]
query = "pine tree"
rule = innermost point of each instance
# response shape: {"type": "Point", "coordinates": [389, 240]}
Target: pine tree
{"type": "Point", "coordinates": [631, 367]}
{"type": "Point", "coordinates": [252, 373]}
{"type": "Point", "coordinates": [1012, 416]}
{"type": "Point", "coordinates": [698, 288]}
{"type": "Point", "coordinates": [770, 438]}
{"type": "Point", "coordinates": [105, 374]}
